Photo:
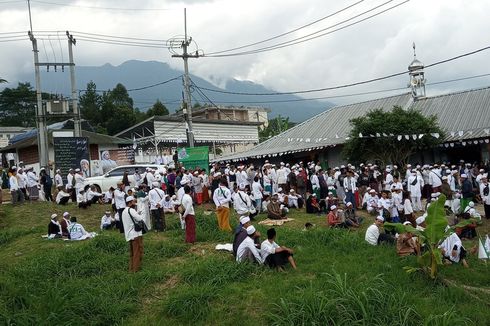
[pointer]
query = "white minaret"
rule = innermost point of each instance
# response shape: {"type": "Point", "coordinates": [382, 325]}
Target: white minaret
{"type": "Point", "coordinates": [417, 79]}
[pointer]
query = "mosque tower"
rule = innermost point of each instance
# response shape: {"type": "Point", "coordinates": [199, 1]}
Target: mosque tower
{"type": "Point", "coordinates": [417, 79]}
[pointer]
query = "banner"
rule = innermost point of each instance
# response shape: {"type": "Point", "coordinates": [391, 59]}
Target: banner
{"type": "Point", "coordinates": [71, 153]}
{"type": "Point", "coordinates": [192, 157]}
{"type": "Point", "coordinates": [112, 158]}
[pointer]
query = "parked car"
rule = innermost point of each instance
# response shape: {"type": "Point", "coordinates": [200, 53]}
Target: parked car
{"type": "Point", "coordinates": [111, 178]}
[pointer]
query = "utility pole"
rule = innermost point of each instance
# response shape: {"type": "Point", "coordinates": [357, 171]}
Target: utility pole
{"type": "Point", "coordinates": [74, 96]}
{"type": "Point", "coordinates": [43, 150]}
{"type": "Point", "coordinates": [187, 99]}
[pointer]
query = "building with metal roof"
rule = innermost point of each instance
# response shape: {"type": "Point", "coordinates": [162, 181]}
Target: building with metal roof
{"type": "Point", "coordinates": [464, 116]}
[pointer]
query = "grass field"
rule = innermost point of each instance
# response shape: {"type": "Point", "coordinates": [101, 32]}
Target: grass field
{"type": "Point", "coordinates": [340, 279]}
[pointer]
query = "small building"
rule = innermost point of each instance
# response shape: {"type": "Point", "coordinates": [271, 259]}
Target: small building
{"type": "Point", "coordinates": [24, 147]}
{"type": "Point", "coordinates": [7, 133]}
{"type": "Point", "coordinates": [162, 134]}
{"type": "Point", "coordinates": [233, 113]}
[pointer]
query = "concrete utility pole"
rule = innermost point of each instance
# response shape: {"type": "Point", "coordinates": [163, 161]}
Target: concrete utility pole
{"type": "Point", "coordinates": [43, 150]}
{"type": "Point", "coordinates": [74, 95]}
{"type": "Point", "coordinates": [187, 99]}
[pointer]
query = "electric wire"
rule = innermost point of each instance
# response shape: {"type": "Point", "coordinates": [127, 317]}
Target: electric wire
{"type": "Point", "coordinates": [307, 37]}
{"type": "Point", "coordinates": [289, 32]}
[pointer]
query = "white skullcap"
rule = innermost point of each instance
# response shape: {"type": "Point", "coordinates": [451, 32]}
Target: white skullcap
{"type": "Point", "coordinates": [241, 186]}
{"type": "Point", "coordinates": [464, 175]}
{"type": "Point", "coordinates": [65, 214]}
{"type": "Point", "coordinates": [250, 230]}
{"type": "Point", "coordinates": [53, 216]}
{"type": "Point", "coordinates": [421, 219]}
{"type": "Point", "coordinates": [77, 170]}
{"type": "Point", "coordinates": [330, 193]}
{"type": "Point", "coordinates": [348, 204]}
{"type": "Point", "coordinates": [333, 207]}
{"type": "Point", "coordinates": [407, 223]}
{"type": "Point", "coordinates": [129, 199]}
{"type": "Point", "coordinates": [380, 218]}
{"type": "Point", "coordinates": [279, 189]}
{"type": "Point", "coordinates": [471, 204]}
{"type": "Point", "coordinates": [244, 220]}
{"type": "Point", "coordinates": [155, 184]}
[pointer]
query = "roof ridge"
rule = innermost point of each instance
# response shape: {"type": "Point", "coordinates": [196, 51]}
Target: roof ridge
{"type": "Point", "coordinates": [454, 93]}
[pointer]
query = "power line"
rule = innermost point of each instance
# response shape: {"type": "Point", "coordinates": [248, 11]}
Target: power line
{"type": "Point", "coordinates": [101, 8]}
{"type": "Point", "coordinates": [120, 37]}
{"type": "Point", "coordinates": [351, 84]}
{"type": "Point", "coordinates": [291, 31]}
{"type": "Point", "coordinates": [138, 88]}
{"type": "Point", "coordinates": [122, 43]}
{"type": "Point", "coordinates": [307, 37]}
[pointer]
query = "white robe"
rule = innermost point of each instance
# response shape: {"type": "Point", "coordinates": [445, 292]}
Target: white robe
{"type": "Point", "coordinates": [448, 245]}
{"type": "Point", "coordinates": [143, 208]}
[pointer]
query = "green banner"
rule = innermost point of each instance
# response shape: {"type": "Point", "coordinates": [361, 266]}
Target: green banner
{"type": "Point", "coordinates": [192, 157]}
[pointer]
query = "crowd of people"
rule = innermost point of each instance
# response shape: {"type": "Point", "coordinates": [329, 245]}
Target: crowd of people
{"type": "Point", "coordinates": [140, 202]}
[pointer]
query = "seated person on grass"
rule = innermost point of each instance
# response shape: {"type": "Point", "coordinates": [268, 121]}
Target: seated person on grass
{"type": "Point", "coordinates": [82, 199]}
{"type": "Point", "coordinates": [93, 196]}
{"type": "Point", "coordinates": [312, 205]}
{"type": "Point", "coordinates": [62, 196]}
{"type": "Point", "coordinates": [241, 234]}
{"type": "Point", "coordinates": [374, 236]}
{"type": "Point", "coordinates": [77, 231]}
{"type": "Point", "coordinates": [331, 200]}
{"type": "Point", "coordinates": [54, 227]}
{"type": "Point", "coordinates": [265, 202]}
{"type": "Point", "coordinates": [406, 244]}
{"type": "Point", "coordinates": [350, 215]}
{"type": "Point", "coordinates": [453, 251]}
{"type": "Point", "coordinates": [168, 204]}
{"type": "Point", "coordinates": [276, 256]}
{"type": "Point", "coordinates": [293, 199]}
{"type": "Point", "coordinates": [275, 210]}
{"type": "Point", "coordinates": [107, 222]}
{"type": "Point", "coordinates": [334, 220]}
{"type": "Point", "coordinates": [65, 223]}
{"type": "Point", "coordinates": [247, 251]}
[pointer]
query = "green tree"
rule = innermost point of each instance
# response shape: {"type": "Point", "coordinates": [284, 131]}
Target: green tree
{"type": "Point", "coordinates": [91, 105]}
{"type": "Point", "coordinates": [276, 126]}
{"type": "Point", "coordinates": [385, 126]}
{"type": "Point", "coordinates": [117, 110]}
{"type": "Point", "coordinates": [18, 106]}
{"type": "Point", "coordinates": [157, 109]}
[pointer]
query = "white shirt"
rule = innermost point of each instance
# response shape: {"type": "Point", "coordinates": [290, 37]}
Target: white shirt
{"type": "Point", "coordinates": [241, 202]}
{"type": "Point", "coordinates": [180, 195]}
{"type": "Point", "coordinates": [14, 183]}
{"type": "Point", "coordinates": [106, 220]}
{"type": "Point", "coordinates": [60, 195]}
{"type": "Point", "coordinates": [79, 179]}
{"type": "Point", "coordinates": [58, 180]}
{"type": "Point", "coordinates": [267, 248]}
{"type": "Point", "coordinates": [281, 176]}
{"type": "Point", "coordinates": [77, 232]}
{"type": "Point", "coordinates": [168, 203]}
{"type": "Point", "coordinates": [91, 194]}
{"type": "Point", "coordinates": [407, 207]}
{"type": "Point", "coordinates": [22, 180]}
{"type": "Point", "coordinates": [69, 179]}
{"type": "Point", "coordinates": [157, 196]}
{"type": "Point", "coordinates": [248, 243]}
{"type": "Point", "coordinates": [32, 180]}
{"type": "Point", "coordinates": [350, 184]}
{"type": "Point", "coordinates": [187, 203]}
{"type": "Point", "coordinates": [435, 178]}
{"type": "Point", "coordinates": [315, 182]}
{"type": "Point", "coordinates": [372, 234]}
{"type": "Point", "coordinates": [257, 190]}
{"type": "Point", "coordinates": [222, 196]}
{"type": "Point", "coordinates": [119, 199]}
{"type": "Point", "coordinates": [128, 224]}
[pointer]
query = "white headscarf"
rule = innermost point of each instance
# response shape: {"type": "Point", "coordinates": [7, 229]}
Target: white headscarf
{"type": "Point", "coordinates": [448, 245]}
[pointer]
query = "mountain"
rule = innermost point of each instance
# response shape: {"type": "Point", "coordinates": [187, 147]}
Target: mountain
{"type": "Point", "coordinates": [136, 74]}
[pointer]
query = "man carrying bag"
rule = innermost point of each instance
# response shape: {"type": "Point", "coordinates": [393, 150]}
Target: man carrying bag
{"type": "Point", "coordinates": [134, 228]}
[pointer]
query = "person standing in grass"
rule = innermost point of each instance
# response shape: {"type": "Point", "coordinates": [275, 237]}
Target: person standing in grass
{"type": "Point", "coordinates": [189, 216]}
{"type": "Point", "coordinates": [222, 198]}
{"type": "Point", "coordinates": [157, 197]}
{"type": "Point", "coordinates": [15, 192]}
{"type": "Point", "coordinates": [135, 238]}
{"type": "Point", "coordinates": [275, 256]}
{"type": "Point", "coordinates": [466, 191]}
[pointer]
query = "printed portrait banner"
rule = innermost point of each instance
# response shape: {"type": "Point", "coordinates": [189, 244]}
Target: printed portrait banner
{"type": "Point", "coordinates": [112, 158]}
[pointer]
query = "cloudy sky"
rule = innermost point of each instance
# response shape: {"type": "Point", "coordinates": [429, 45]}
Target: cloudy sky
{"type": "Point", "coordinates": [379, 46]}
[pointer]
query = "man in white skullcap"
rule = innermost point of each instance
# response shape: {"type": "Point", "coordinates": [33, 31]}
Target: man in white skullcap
{"type": "Point", "coordinates": [247, 249]}
{"type": "Point", "coordinates": [374, 236]}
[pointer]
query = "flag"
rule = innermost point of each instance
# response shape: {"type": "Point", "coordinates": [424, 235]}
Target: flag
{"type": "Point", "coordinates": [135, 145]}
{"type": "Point", "coordinates": [483, 252]}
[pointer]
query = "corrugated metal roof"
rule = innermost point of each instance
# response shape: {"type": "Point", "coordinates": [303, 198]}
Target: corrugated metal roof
{"type": "Point", "coordinates": [466, 111]}
{"type": "Point", "coordinates": [325, 129]}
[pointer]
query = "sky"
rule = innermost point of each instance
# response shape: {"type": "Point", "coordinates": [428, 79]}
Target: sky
{"type": "Point", "coordinates": [377, 47]}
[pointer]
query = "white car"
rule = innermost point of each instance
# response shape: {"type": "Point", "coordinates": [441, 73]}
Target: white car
{"type": "Point", "coordinates": [111, 178]}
